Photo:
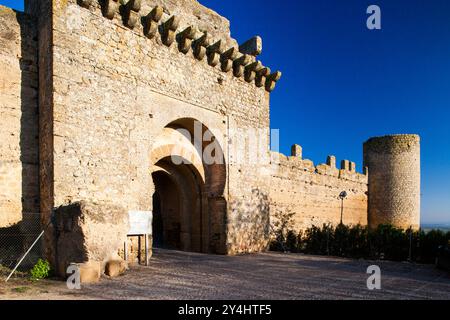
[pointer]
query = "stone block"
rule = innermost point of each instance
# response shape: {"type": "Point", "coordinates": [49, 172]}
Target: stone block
{"type": "Point", "coordinates": [345, 165]}
{"type": "Point", "coordinates": [88, 232]}
{"type": "Point", "coordinates": [90, 272]}
{"type": "Point", "coordinates": [331, 161]}
{"type": "Point", "coordinates": [115, 268]}
{"type": "Point", "coordinates": [252, 46]}
{"type": "Point", "coordinates": [297, 151]}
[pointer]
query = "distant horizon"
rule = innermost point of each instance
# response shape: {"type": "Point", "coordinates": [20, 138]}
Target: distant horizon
{"type": "Point", "coordinates": [447, 224]}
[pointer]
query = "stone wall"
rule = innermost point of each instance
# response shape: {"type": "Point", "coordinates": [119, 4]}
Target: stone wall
{"type": "Point", "coordinates": [394, 180]}
{"type": "Point", "coordinates": [113, 86]}
{"type": "Point", "coordinates": [114, 89]}
{"type": "Point", "coordinates": [19, 189]}
{"type": "Point", "coordinates": [89, 233]}
{"type": "Point", "coordinates": [312, 192]}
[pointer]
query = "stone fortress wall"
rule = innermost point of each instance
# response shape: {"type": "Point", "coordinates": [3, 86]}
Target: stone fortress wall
{"type": "Point", "coordinates": [115, 82]}
{"type": "Point", "coordinates": [312, 192]}
{"type": "Point", "coordinates": [19, 178]}
{"type": "Point", "coordinates": [146, 67]}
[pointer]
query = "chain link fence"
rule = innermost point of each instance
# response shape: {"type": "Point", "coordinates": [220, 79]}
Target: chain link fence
{"type": "Point", "coordinates": [15, 241]}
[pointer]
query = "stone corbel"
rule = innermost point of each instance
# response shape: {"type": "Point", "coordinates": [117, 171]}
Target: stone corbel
{"type": "Point", "coordinates": [200, 46]}
{"type": "Point", "coordinates": [251, 70]}
{"type": "Point", "coordinates": [252, 47]}
{"type": "Point", "coordinates": [185, 38]}
{"type": "Point", "coordinates": [261, 76]}
{"type": "Point", "coordinates": [134, 5]}
{"type": "Point", "coordinates": [214, 51]}
{"type": "Point", "coordinates": [227, 59]}
{"type": "Point", "coordinates": [110, 7]}
{"type": "Point", "coordinates": [239, 65]}
{"type": "Point", "coordinates": [85, 3]}
{"type": "Point", "coordinates": [272, 80]}
{"type": "Point", "coordinates": [169, 30]}
{"type": "Point", "coordinates": [131, 14]}
{"type": "Point", "coordinates": [151, 22]}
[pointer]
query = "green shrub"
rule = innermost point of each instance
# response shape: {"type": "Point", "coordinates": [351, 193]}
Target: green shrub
{"type": "Point", "coordinates": [281, 231]}
{"type": "Point", "coordinates": [41, 270]}
{"type": "Point", "coordinates": [385, 242]}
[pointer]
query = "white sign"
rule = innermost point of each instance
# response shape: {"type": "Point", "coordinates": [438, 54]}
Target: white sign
{"type": "Point", "coordinates": [140, 222]}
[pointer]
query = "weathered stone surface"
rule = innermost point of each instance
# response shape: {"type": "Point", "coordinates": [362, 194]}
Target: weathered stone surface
{"type": "Point", "coordinates": [90, 272]}
{"type": "Point", "coordinates": [115, 268]}
{"type": "Point", "coordinates": [19, 178]}
{"type": "Point", "coordinates": [297, 151]}
{"type": "Point", "coordinates": [113, 95]}
{"type": "Point", "coordinates": [312, 192]}
{"type": "Point", "coordinates": [252, 46]}
{"type": "Point", "coordinates": [394, 180]}
{"type": "Point", "coordinates": [87, 232]}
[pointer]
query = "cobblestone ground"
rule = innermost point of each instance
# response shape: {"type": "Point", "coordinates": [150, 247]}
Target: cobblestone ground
{"type": "Point", "coordinates": [179, 275]}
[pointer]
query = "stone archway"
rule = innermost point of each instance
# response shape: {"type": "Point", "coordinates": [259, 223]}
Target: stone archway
{"type": "Point", "coordinates": [189, 203]}
{"type": "Point", "coordinates": [178, 207]}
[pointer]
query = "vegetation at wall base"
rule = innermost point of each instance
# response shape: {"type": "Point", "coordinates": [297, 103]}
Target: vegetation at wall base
{"type": "Point", "coordinates": [41, 270]}
{"type": "Point", "coordinates": [359, 242]}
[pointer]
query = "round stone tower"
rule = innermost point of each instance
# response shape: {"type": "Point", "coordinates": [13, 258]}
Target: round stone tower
{"type": "Point", "coordinates": [394, 180]}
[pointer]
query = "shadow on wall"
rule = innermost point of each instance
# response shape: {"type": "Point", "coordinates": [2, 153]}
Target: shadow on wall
{"type": "Point", "coordinates": [29, 122]}
{"type": "Point", "coordinates": [250, 227]}
{"type": "Point", "coordinates": [16, 239]}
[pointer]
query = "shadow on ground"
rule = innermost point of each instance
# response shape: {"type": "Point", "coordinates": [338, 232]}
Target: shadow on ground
{"type": "Point", "coordinates": [180, 275]}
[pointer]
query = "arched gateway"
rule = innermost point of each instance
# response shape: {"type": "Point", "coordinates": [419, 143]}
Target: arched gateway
{"type": "Point", "coordinates": [189, 175]}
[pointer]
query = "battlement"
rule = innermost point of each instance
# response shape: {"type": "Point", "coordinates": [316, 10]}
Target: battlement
{"type": "Point", "coordinates": [347, 170]}
{"type": "Point", "coordinates": [392, 144]}
{"type": "Point", "coordinates": [313, 191]}
{"type": "Point", "coordinates": [159, 21]}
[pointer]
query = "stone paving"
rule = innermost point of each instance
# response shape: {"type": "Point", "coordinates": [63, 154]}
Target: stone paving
{"type": "Point", "coordinates": [180, 275]}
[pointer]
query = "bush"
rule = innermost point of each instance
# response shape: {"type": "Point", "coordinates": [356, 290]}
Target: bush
{"type": "Point", "coordinates": [385, 242]}
{"type": "Point", "coordinates": [281, 230]}
{"type": "Point", "coordinates": [41, 270]}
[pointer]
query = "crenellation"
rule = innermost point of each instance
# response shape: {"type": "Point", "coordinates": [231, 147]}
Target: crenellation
{"type": "Point", "coordinates": [297, 151]}
{"type": "Point", "coordinates": [252, 46]}
{"type": "Point", "coordinates": [312, 192]}
{"type": "Point", "coordinates": [331, 161]}
{"type": "Point", "coordinates": [366, 171]}
{"type": "Point", "coordinates": [243, 64]}
{"type": "Point", "coordinates": [345, 165]}
{"type": "Point", "coordinates": [352, 167]}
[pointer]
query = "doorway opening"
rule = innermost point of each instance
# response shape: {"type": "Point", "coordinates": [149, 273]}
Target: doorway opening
{"type": "Point", "coordinates": [179, 221]}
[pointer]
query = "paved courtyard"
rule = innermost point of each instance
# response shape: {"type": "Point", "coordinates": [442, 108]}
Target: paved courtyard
{"type": "Point", "coordinates": [179, 275]}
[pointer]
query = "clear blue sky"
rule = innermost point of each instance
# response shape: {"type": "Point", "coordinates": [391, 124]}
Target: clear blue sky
{"type": "Point", "coordinates": [342, 83]}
